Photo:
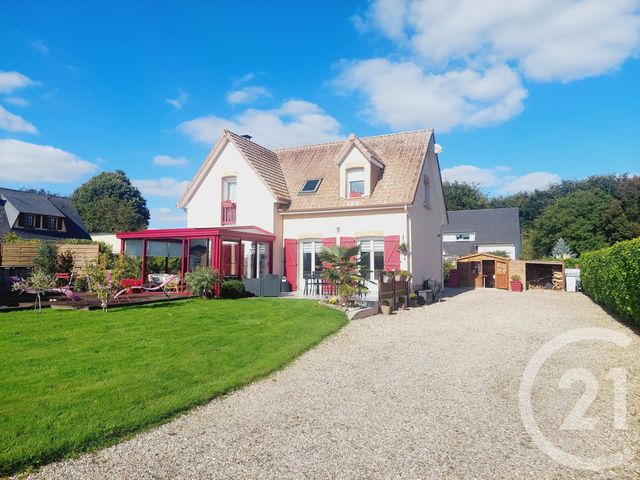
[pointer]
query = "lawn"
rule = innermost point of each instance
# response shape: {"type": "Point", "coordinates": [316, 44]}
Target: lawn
{"type": "Point", "coordinates": [74, 381]}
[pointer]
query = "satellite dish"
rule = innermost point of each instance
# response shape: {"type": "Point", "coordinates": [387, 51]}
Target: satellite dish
{"type": "Point", "coordinates": [438, 148]}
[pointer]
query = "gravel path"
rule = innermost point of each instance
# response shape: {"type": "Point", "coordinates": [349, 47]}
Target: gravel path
{"type": "Point", "coordinates": [427, 393]}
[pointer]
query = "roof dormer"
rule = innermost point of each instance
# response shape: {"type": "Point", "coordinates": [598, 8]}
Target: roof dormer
{"type": "Point", "coordinates": [360, 169]}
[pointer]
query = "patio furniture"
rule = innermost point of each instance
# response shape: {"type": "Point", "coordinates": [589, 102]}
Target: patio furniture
{"type": "Point", "coordinates": [163, 287]}
{"type": "Point", "coordinates": [66, 277]}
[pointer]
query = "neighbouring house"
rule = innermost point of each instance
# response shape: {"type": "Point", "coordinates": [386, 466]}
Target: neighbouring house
{"type": "Point", "coordinates": [107, 238]}
{"type": "Point", "coordinates": [39, 217]}
{"type": "Point", "coordinates": [482, 231]}
{"type": "Point", "coordinates": [253, 210]}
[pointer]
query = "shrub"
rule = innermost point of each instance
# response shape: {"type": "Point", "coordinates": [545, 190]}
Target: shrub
{"type": "Point", "coordinates": [515, 278]}
{"type": "Point", "coordinates": [126, 267]}
{"type": "Point", "coordinates": [64, 262]}
{"type": "Point", "coordinates": [40, 281]}
{"type": "Point", "coordinates": [200, 281]}
{"type": "Point", "coordinates": [413, 296]}
{"type": "Point", "coordinates": [571, 262]}
{"type": "Point", "coordinates": [447, 266]}
{"type": "Point", "coordinates": [611, 277]}
{"type": "Point", "coordinates": [401, 300]}
{"type": "Point", "coordinates": [385, 302]}
{"type": "Point", "coordinates": [45, 259]}
{"type": "Point", "coordinates": [232, 289]}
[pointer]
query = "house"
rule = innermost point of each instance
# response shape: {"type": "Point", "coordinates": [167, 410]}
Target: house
{"type": "Point", "coordinates": [253, 210]}
{"type": "Point", "coordinates": [35, 216]}
{"type": "Point", "coordinates": [482, 231]}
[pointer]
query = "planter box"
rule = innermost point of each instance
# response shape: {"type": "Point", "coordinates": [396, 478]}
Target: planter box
{"type": "Point", "coordinates": [385, 309]}
{"type": "Point", "coordinates": [516, 286]}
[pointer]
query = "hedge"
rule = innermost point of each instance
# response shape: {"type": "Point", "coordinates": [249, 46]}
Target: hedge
{"type": "Point", "coordinates": [611, 277]}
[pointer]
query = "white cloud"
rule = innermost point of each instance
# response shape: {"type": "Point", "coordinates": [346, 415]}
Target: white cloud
{"type": "Point", "coordinates": [162, 187]}
{"type": "Point", "coordinates": [247, 94]}
{"type": "Point", "coordinates": [15, 123]}
{"type": "Point", "coordinates": [547, 39]}
{"type": "Point", "coordinates": [17, 101]}
{"type": "Point", "coordinates": [10, 81]}
{"type": "Point", "coordinates": [30, 163]}
{"type": "Point", "coordinates": [164, 216]}
{"type": "Point", "coordinates": [492, 178]}
{"type": "Point", "coordinates": [247, 77]}
{"type": "Point", "coordinates": [484, 177]}
{"type": "Point", "coordinates": [167, 161]}
{"type": "Point", "coordinates": [40, 47]}
{"type": "Point", "coordinates": [296, 122]}
{"type": "Point", "coordinates": [402, 95]}
{"type": "Point", "coordinates": [529, 182]}
{"type": "Point", "coordinates": [180, 100]}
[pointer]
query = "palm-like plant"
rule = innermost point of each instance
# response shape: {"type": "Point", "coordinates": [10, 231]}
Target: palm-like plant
{"type": "Point", "coordinates": [343, 270]}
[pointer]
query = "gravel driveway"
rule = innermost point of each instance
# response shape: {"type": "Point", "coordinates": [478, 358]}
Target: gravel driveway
{"type": "Point", "coordinates": [427, 393]}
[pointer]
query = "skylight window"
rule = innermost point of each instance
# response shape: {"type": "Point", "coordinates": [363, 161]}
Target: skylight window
{"type": "Point", "coordinates": [311, 186]}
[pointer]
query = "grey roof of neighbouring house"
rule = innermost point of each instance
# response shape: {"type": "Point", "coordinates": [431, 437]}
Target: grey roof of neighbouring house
{"type": "Point", "coordinates": [491, 225]}
{"type": "Point", "coordinates": [26, 202]}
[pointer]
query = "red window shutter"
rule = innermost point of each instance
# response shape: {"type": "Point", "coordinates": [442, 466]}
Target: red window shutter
{"type": "Point", "coordinates": [328, 242]}
{"type": "Point", "coordinates": [391, 252]}
{"type": "Point", "coordinates": [291, 262]}
{"type": "Point", "coordinates": [347, 242]}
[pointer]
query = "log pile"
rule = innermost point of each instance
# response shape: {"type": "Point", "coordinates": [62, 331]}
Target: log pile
{"type": "Point", "coordinates": [558, 281]}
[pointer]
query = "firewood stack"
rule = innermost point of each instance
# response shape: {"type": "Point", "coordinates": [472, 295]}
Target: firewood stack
{"type": "Point", "coordinates": [558, 281]}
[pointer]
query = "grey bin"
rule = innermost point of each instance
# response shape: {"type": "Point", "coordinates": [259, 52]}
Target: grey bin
{"type": "Point", "coordinates": [252, 286]}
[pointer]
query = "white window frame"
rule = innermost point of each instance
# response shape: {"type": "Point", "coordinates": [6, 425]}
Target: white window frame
{"type": "Point", "coordinates": [227, 182]}
{"type": "Point", "coordinates": [375, 244]}
{"type": "Point", "coordinates": [349, 178]}
{"type": "Point", "coordinates": [316, 247]}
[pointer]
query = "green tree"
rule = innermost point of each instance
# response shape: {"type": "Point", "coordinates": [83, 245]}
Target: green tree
{"type": "Point", "coordinates": [46, 258]}
{"type": "Point", "coordinates": [586, 219]}
{"type": "Point", "coordinates": [109, 202]}
{"type": "Point", "coordinates": [464, 196]}
{"type": "Point", "coordinates": [342, 269]}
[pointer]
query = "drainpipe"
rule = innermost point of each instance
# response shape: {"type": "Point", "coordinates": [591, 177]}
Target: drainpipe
{"type": "Point", "coordinates": [408, 238]}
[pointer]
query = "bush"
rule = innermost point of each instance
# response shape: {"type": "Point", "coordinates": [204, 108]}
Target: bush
{"type": "Point", "coordinates": [200, 281]}
{"type": "Point", "coordinates": [232, 289]}
{"type": "Point", "coordinates": [571, 262]}
{"type": "Point", "coordinates": [64, 262]}
{"type": "Point", "coordinates": [447, 266]}
{"type": "Point", "coordinates": [46, 258]}
{"type": "Point", "coordinates": [126, 267]}
{"type": "Point", "coordinates": [611, 277]}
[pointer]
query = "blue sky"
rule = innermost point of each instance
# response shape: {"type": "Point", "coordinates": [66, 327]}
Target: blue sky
{"type": "Point", "coordinates": [520, 93]}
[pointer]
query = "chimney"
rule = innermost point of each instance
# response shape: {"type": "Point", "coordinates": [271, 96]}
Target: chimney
{"type": "Point", "coordinates": [248, 137]}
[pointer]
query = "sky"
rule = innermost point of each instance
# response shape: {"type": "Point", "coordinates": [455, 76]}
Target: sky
{"type": "Point", "coordinates": [520, 94]}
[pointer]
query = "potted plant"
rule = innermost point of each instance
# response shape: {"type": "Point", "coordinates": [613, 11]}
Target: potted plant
{"type": "Point", "coordinates": [404, 248]}
{"type": "Point", "coordinates": [516, 284]}
{"type": "Point", "coordinates": [386, 276]}
{"type": "Point", "coordinates": [401, 303]}
{"type": "Point", "coordinates": [413, 299]}
{"type": "Point", "coordinates": [397, 275]}
{"type": "Point", "coordinates": [385, 307]}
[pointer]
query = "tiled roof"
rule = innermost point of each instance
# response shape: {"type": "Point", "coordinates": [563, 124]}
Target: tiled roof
{"type": "Point", "coordinates": [265, 163]}
{"type": "Point", "coordinates": [401, 154]}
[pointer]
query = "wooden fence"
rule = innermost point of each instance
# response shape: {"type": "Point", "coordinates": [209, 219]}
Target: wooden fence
{"type": "Point", "coordinates": [21, 255]}
{"type": "Point", "coordinates": [392, 289]}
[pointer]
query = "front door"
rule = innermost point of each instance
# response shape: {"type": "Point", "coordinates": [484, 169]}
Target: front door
{"type": "Point", "coordinates": [502, 275]}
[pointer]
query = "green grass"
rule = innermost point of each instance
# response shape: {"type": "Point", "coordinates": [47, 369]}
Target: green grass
{"type": "Point", "coordinates": [74, 381]}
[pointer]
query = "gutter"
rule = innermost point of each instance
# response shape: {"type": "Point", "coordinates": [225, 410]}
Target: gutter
{"type": "Point", "coordinates": [344, 209]}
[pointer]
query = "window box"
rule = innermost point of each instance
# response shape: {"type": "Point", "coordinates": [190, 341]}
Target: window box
{"type": "Point", "coordinates": [228, 213]}
{"type": "Point", "coordinates": [355, 194]}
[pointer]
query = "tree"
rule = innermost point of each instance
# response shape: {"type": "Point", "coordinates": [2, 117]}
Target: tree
{"type": "Point", "coordinates": [562, 250]}
{"type": "Point", "coordinates": [109, 202]}
{"type": "Point", "coordinates": [464, 196]}
{"type": "Point", "coordinates": [587, 220]}
{"type": "Point", "coordinates": [46, 258]}
{"type": "Point", "coordinates": [343, 271]}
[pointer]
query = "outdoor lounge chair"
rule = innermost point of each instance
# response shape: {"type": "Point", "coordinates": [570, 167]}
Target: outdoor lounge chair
{"type": "Point", "coordinates": [148, 287]}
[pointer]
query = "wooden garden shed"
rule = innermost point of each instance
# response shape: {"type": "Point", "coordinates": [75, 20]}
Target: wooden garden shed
{"type": "Point", "coordinates": [483, 270]}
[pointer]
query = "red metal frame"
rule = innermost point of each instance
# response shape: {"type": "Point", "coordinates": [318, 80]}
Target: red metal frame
{"type": "Point", "coordinates": [216, 235]}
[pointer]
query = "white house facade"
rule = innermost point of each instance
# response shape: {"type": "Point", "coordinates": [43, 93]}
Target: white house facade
{"type": "Point", "coordinates": [376, 192]}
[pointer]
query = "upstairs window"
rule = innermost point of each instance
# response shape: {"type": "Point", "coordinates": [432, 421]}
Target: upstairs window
{"type": "Point", "coordinates": [311, 186]}
{"type": "Point", "coordinates": [355, 182]}
{"type": "Point", "coordinates": [229, 187]}
{"type": "Point", "coordinates": [52, 223]}
{"type": "Point", "coordinates": [27, 220]}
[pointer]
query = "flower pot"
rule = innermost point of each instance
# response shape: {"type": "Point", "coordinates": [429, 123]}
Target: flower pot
{"type": "Point", "coordinates": [386, 278]}
{"type": "Point", "coordinates": [516, 286]}
{"type": "Point", "coordinates": [413, 302]}
{"type": "Point", "coordinates": [398, 278]}
{"type": "Point", "coordinates": [401, 306]}
{"type": "Point", "coordinates": [385, 309]}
